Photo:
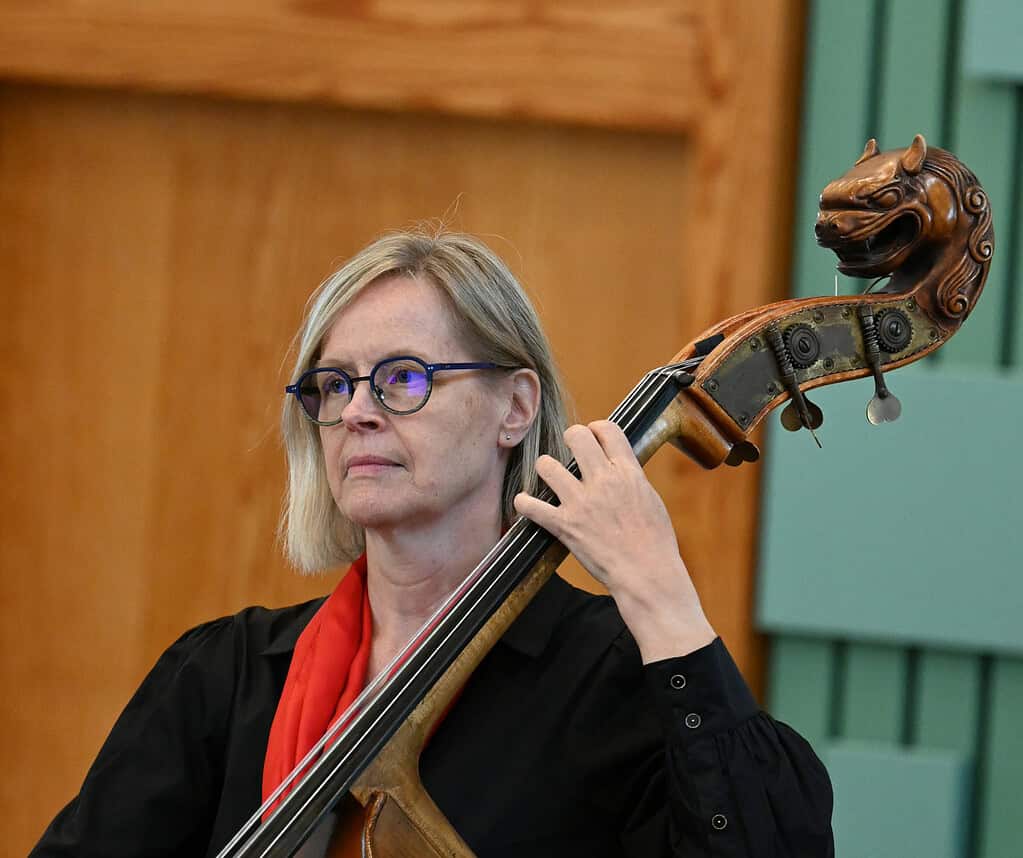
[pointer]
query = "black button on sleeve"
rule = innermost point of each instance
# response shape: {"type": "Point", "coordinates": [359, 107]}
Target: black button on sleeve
{"type": "Point", "coordinates": [712, 693]}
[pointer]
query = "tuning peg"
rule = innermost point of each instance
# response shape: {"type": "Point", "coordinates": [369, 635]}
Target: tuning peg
{"type": "Point", "coordinates": [800, 412]}
{"type": "Point", "coordinates": [742, 451]}
{"type": "Point", "coordinates": [885, 406]}
{"type": "Point", "coordinates": [793, 420]}
{"type": "Point", "coordinates": [884, 410]}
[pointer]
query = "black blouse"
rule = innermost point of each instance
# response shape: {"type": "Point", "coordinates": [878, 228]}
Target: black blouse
{"type": "Point", "coordinates": [561, 744]}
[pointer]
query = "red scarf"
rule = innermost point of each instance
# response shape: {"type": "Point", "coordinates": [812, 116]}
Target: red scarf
{"type": "Point", "coordinates": [327, 672]}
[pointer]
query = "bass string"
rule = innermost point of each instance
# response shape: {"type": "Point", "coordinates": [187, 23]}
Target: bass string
{"type": "Point", "coordinates": [429, 643]}
{"type": "Point", "coordinates": [628, 412]}
{"type": "Point", "coordinates": [494, 556]}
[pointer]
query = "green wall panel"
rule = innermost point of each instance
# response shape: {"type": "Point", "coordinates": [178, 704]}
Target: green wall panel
{"type": "Point", "coordinates": [1013, 341]}
{"type": "Point", "coordinates": [913, 86]}
{"type": "Point", "coordinates": [1001, 789]}
{"type": "Point", "coordinates": [947, 712]}
{"type": "Point", "coordinates": [800, 685]}
{"type": "Point", "coordinates": [898, 803]}
{"type": "Point", "coordinates": [984, 138]}
{"type": "Point", "coordinates": [874, 693]}
{"type": "Point", "coordinates": [908, 532]}
{"type": "Point", "coordinates": [991, 43]}
{"type": "Point", "coordinates": [835, 123]}
{"type": "Point", "coordinates": [889, 560]}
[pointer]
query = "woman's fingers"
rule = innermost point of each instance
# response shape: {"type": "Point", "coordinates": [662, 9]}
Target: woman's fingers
{"type": "Point", "coordinates": [597, 449]}
{"type": "Point", "coordinates": [586, 449]}
{"type": "Point", "coordinates": [616, 525]}
{"type": "Point", "coordinates": [613, 443]}
{"type": "Point", "coordinates": [557, 476]}
{"type": "Point", "coordinates": [607, 503]}
{"type": "Point", "coordinates": [539, 512]}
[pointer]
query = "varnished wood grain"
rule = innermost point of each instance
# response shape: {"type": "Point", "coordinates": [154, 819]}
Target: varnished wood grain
{"type": "Point", "coordinates": [600, 62]}
{"type": "Point", "coordinates": [157, 250]}
{"type": "Point", "coordinates": [159, 258]}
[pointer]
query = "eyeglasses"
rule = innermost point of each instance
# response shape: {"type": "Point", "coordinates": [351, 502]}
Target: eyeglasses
{"type": "Point", "coordinates": [402, 385]}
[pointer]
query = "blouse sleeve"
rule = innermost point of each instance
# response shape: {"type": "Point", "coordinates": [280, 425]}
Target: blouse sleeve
{"type": "Point", "coordinates": [149, 791]}
{"type": "Point", "coordinates": [738, 782]}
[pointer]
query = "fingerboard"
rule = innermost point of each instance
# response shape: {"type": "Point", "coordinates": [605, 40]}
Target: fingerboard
{"type": "Point", "coordinates": [378, 713]}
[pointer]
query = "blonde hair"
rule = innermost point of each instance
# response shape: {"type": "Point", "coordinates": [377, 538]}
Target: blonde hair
{"type": "Point", "coordinates": [495, 318]}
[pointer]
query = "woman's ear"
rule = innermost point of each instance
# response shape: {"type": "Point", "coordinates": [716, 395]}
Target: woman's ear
{"type": "Point", "coordinates": [523, 405]}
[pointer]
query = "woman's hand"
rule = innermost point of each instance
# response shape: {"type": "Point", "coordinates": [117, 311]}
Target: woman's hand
{"type": "Point", "coordinates": [615, 523]}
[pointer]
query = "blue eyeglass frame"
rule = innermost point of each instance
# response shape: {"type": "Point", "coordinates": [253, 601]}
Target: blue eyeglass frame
{"type": "Point", "coordinates": [430, 368]}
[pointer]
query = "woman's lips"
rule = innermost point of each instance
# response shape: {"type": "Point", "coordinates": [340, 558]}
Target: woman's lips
{"type": "Point", "coordinates": [368, 465]}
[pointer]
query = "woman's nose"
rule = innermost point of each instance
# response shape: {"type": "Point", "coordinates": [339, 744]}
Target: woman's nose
{"type": "Point", "coordinates": [363, 410]}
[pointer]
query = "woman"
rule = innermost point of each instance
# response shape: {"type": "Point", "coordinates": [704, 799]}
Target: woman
{"type": "Point", "coordinates": [424, 409]}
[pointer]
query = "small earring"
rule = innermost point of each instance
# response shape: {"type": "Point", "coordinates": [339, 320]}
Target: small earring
{"type": "Point", "coordinates": [507, 437]}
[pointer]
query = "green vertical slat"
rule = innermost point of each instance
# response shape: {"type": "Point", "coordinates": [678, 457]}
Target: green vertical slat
{"type": "Point", "coordinates": [983, 133]}
{"type": "Point", "coordinates": [837, 84]}
{"type": "Point", "coordinates": [947, 698]}
{"type": "Point", "coordinates": [799, 685]}
{"type": "Point", "coordinates": [913, 83]}
{"type": "Point", "coordinates": [1002, 766]}
{"type": "Point", "coordinates": [1013, 348]}
{"type": "Point", "coordinates": [874, 694]}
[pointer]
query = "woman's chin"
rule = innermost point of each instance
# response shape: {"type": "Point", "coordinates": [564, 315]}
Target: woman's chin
{"type": "Point", "coordinates": [372, 510]}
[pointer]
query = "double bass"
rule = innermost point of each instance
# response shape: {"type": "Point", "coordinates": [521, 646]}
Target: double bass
{"type": "Point", "coordinates": [915, 218]}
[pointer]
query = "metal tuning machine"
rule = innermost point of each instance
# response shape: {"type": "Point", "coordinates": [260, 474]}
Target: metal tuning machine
{"type": "Point", "coordinates": [885, 406]}
{"type": "Point", "coordinates": [800, 412]}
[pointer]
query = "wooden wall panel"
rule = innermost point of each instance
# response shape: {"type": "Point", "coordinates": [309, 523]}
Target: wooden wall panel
{"type": "Point", "coordinates": [162, 251]}
{"type": "Point", "coordinates": [648, 64]}
{"type": "Point", "coordinates": [158, 249]}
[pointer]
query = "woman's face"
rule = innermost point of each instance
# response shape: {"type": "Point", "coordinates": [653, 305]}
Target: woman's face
{"type": "Point", "coordinates": [445, 460]}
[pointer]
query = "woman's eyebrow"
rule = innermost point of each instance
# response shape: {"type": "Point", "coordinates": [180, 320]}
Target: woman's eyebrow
{"type": "Point", "coordinates": [328, 362]}
{"type": "Point", "coordinates": [346, 365]}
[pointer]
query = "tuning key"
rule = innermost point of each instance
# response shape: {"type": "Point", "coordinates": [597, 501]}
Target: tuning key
{"type": "Point", "coordinates": [885, 406]}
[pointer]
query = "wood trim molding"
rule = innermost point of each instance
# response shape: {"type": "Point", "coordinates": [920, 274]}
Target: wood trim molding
{"type": "Point", "coordinates": [644, 65]}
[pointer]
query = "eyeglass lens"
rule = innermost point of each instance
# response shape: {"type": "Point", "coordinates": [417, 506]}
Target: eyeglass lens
{"type": "Point", "coordinates": [401, 385]}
